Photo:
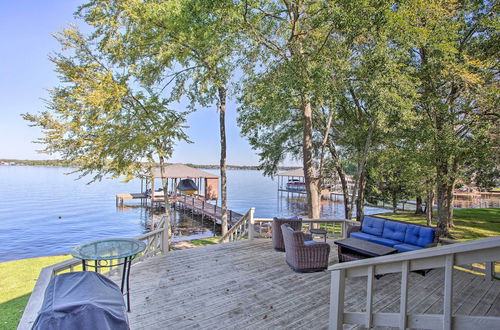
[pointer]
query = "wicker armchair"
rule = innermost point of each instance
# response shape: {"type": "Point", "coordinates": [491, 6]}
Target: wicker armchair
{"type": "Point", "coordinates": [304, 256]}
{"type": "Point", "coordinates": [295, 223]}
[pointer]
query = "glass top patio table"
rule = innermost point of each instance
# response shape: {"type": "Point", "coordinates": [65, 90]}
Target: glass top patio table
{"type": "Point", "coordinates": [108, 249]}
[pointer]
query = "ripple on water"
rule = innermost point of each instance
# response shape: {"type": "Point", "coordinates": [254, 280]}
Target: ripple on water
{"type": "Point", "coordinates": [33, 198]}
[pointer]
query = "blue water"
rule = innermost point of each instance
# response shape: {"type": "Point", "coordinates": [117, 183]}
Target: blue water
{"type": "Point", "coordinates": [44, 211]}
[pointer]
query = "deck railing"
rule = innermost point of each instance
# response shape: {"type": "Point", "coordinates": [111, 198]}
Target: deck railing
{"type": "Point", "coordinates": [480, 251]}
{"type": "Point", "coordinates": [241, 229]}
{"type": "Point", "coordinates": [335, 228]}
{"type": "Point", "coordinates": [156, 243]}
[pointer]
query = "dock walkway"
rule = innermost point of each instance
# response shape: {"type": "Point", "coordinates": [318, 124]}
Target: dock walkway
{"type": "Point", "coordinates": [194, 204]}
{"type": "Point", "coordinates": [247, 285]}
{"type": "Point", "coordinates": [198, 206]}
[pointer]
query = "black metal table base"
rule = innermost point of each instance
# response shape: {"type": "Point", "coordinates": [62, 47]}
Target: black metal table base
{"type": "Point", "coordinates": [127, 263]}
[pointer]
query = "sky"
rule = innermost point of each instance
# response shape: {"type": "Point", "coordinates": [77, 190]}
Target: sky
{"type": "Point", "coordinates": [26, 28]}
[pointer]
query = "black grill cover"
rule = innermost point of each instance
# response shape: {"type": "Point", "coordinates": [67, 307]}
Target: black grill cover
{"type": "Point", "coordinates": [82, 300]}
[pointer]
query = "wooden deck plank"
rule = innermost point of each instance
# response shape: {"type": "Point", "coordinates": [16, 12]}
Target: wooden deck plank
{"type": "Point", "coordinates": [246, 284]}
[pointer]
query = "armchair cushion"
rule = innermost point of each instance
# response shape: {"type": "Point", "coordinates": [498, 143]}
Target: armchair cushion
{"type": "Point", "coordinates": [295, 223]}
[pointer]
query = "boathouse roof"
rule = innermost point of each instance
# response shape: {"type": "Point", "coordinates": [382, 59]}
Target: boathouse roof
{"type": "Point", "coordinates": [181, 171]}
{"type": "Point", "coordinates": [296, 172]}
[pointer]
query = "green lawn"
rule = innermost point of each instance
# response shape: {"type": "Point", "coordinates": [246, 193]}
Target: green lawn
{"type": "Point", "coordinates": [205, 241]}
{"type": "Point", "coordinates": [17, 279]}
{"type": "Point", "coordinates": [469, 223]}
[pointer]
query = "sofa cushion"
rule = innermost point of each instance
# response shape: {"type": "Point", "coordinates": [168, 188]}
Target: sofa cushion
{"type": "Point", "coordinates": [372, 226]}
{"type": "Point", "coordinates": [374, 239]}
{"type": "Point", "coordinates": [394, 230]}
{"type": "Point", "coordinates": [419, 235]}
{"type": "Point", "coordinates": [406, 247]}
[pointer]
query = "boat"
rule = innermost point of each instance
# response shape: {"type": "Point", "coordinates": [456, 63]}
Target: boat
{"type": "Point", "coordinates": [296, 185]}
{"type": "Point", "coordinates": [187, 186]}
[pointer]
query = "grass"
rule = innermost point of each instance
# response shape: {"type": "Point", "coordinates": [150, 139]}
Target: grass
{"type": "Point", "coordinates": [205, 241]}
{"type": "Point", "coordinates": [17, 279]}
{"type": "Point", "coordinates": [469, 223]}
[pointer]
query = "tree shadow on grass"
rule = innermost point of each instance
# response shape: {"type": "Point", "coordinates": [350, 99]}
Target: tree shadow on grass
{"type": "Point", "coordinates": [12, 310]}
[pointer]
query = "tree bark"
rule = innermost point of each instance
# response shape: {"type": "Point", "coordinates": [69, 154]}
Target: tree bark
{"type": "Point", "coordinates": [343, 182]}
{"type": "Point", "coordinates": [307, 150]}
{"type": "Point", "coordinates": [429, 206]}
{"type": "Point", "coordinates": [442, 200]}
{"type": "Point", "coordinates": [394, 202]}
{"type": "Point", "coordinates": [418, 206]}
{"type": "Point", "coordinates": [223, 178]}
{"type": "Point", "coordinates": [164, 182]}
{"type": "Point", "coordinates": [360, 201]}
{"type": "Point", "coordinates": [359, 187]}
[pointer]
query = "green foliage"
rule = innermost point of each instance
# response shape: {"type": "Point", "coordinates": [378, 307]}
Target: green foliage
{"type": "Point", "coordinates": [100, 117]}
{"type": "Point", "coordinates": [186, 46]}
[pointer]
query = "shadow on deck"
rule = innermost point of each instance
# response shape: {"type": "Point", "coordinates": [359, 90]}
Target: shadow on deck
{"type": "Point", "coordinates": [246, 284]}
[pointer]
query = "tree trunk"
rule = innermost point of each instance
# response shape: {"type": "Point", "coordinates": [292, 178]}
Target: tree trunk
{"type": "Point", "coordinates": [450, 198]}
{"type": "Point", "coordinates": [429, 206]}
{"type": "Point", "coordinates": [360, 201]}
{"type": "Point", "coordinates": [359, 187]}
{"type": "Point", "coordinates": [223, 177]}
{"type": "Point", "coordinates": [307, 150]}
{"type": "Point", "coordinates": [442, 200]}
{"type": "Point", "coordinates": [418, 206]}
{"type": "Point", "coordinates": [394, 202]}
{"type": "Point", "coordinates": [168, 221]}
{"type": "Point", "coordinates": [343, 182]}
{"type": "Point", "coordinates": [345, 192]}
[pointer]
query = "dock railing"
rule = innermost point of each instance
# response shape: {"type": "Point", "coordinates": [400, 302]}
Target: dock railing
{"type": "Point", "coordinates": [156, 243]}
{"type": "Point", "coordinates": [479, 251]}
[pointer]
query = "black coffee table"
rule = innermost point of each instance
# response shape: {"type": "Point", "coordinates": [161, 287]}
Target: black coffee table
{"type": "Point", "coordinates": [351, 249]}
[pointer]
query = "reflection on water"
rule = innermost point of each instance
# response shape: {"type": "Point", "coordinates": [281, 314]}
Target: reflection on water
{"type": "Point", "coordinates": [45, 212]}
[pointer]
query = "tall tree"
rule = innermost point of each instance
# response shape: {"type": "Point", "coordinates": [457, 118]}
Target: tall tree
{"type": "Point", "coordinates": [102, 118]}
{"type": "Point", "coordinates": [455, 56]}
{"type": "Point", "coordinates": [285, 82]}
{"type": "Point", "coordinates": [188, 46]}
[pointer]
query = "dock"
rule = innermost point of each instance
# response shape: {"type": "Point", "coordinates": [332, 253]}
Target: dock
{"type": "Point", "coordinates": [200, 207]}
{"type": "Point", "coordinates": [195, 204]}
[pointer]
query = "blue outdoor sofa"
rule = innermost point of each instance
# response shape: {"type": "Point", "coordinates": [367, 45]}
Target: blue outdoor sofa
{"type": "Point", "coordinates": [402, 236]}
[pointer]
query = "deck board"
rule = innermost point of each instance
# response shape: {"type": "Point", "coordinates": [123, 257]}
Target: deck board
{"type": "Point", "coordinates": [246, 284]}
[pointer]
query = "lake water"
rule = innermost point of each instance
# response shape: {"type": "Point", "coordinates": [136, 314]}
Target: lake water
{"type": "Point", "coordinates": [45, 212]}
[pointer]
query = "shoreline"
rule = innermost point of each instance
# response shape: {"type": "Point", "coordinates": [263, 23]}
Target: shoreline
{"type": "Point", "coordinates": [64, 163]}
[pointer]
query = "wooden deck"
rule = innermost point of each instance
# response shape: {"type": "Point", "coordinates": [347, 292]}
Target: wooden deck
{"type": "Point", "coordinates": [247, 285]}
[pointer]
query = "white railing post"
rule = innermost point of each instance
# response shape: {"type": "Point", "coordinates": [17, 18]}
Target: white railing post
{"type": "Point", "coordinates": [369, 295]}
{"type": "Point", "coordinates": [164, 240]}
{"type": "Point", "coordinates": [337, 291]}
{"type": "Point", "coordinates": [448, 292]}
{"type": "Point", "coordinates": [251, 223]}
{"type": "Point", "coordinates": [403, 305]}
{"type": "Point", "coordinates": [489, 270]}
